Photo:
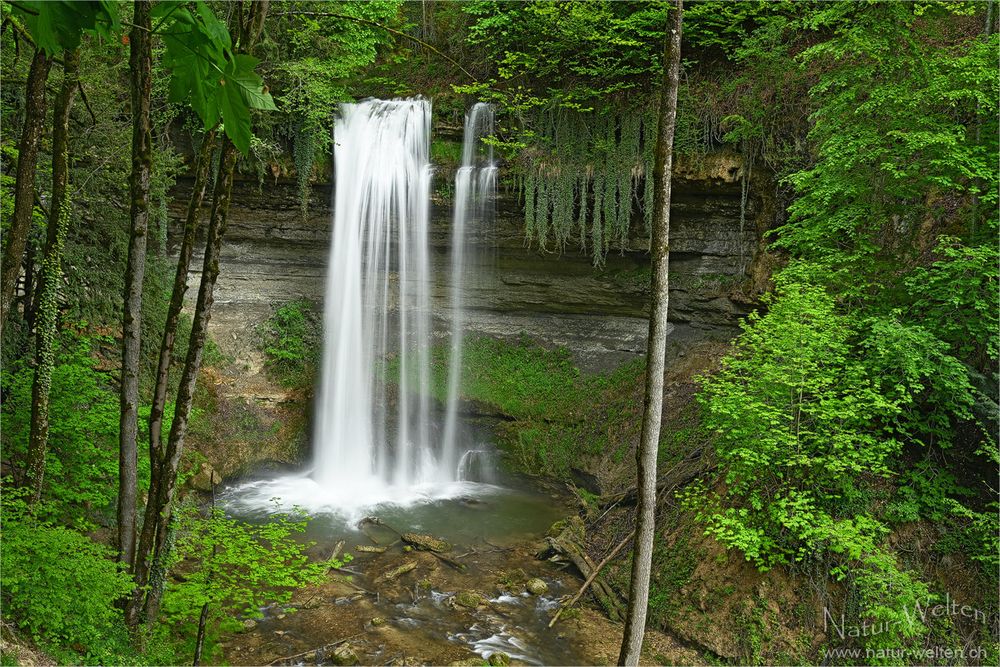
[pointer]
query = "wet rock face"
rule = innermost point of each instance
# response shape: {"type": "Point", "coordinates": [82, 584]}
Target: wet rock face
{"type": "Point", "coordinates": [273, 254]}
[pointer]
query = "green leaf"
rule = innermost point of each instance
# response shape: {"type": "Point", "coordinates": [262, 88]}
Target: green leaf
{"type": "Point", "coordinates": [235, 112]}
{"type": "Point", "coordinates": [59, 26]}
{"type": "Point", "coordinates": [250, 85]}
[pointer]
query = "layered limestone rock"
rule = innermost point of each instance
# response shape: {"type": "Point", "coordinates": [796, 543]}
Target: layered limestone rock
{"type": "Point", "coordinates": [273, 254]}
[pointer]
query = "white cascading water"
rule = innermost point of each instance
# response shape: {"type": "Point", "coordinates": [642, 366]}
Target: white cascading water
{"type": "Point", "coordinates": [475, 189]}
{"type": "Point", "coordinates": [373, 446]}
{"type": "Point", "coordinates": [378, 302]}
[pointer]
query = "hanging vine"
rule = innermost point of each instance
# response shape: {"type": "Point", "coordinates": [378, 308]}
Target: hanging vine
{"type": "Point", "coordinates": [583, 177]}
{"type": "Point", "coordinates": [304, 151]}
{"type": "Point", "coordinates": [578, 182]}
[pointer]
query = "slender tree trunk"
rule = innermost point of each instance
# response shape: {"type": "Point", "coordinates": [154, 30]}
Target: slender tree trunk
{"type": "Point", "coordinates": [24, 184]}
{"type": "Point", "coordinates": [191, 224]}
{"type": "Point", "coordinates": [51, 277]}
{"type": "Point", "coordinates": [153, 542]}
{"type": "Point", "coordinates": [642, 552]}
{"type": "Point", "coordinates": [160, 505]}
{"type": "Point", "coordinates": [140, 66]}
{"type": "Point", "coordinates": [199, 643]}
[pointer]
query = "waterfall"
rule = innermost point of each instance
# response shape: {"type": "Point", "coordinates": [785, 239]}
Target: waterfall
{"type": "Point", "coordinates": [475, 187]}
{"type": "Point", "coordinates": [378, 303]}
{"type": "Point", "coordinates": [376, 442]}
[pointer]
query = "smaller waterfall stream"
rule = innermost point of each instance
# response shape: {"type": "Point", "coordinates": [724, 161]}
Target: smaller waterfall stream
{"type": "Point", "coordinates": [475, 190]}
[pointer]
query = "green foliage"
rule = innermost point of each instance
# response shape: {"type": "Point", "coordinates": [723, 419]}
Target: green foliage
{"type": "Point", "coordinates": [61, 588]}
{"type": "Point", "coordinates": [313, 61]}
{"type": "Point", "coordinates": [81, 469]}
{"type": "Point", "coordinates": [291, 341]}
{"type": "Point", "coordinates": [220, 85]}
{"type": "Point", "coordinates": [233, 567]}
{"type": "Point", "coordinates": [582, 53]}
{"type": "Point", "coordinates": [957, 297]}
{"type": "Point", "coordinates": [918, 143]}
{"type": "Point", "coordinates": [865, 350]}
{"type": "Point", "coordinates": [59, 25]}
{"type": "Point", "coordinates": [556, 413]}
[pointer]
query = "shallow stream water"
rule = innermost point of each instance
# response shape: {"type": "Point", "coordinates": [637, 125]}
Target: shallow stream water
{"type": "Point", "coordinates": [494, 530]}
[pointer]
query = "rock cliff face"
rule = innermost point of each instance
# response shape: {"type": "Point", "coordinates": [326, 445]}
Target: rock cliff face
{"type": "Point", "coordinates": [273, 254]}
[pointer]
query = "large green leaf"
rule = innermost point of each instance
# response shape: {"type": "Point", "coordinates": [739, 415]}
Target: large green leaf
{"type": "Point", "coordinates": [235, 112]}
{"type": "Point", "coordinates": [250, 84]}
{"type": "Point", "coordinates": [57, 26]}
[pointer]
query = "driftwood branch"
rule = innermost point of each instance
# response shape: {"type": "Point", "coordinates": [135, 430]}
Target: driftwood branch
{"type": "Point", "coordinates": [312, 650]}
{"type": "Point", "coordinates": [593, 575]}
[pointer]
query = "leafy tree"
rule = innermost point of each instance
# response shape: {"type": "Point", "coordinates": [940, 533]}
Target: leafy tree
{"type": "Point", "coordinates": [153, 549]}
{"type": "Point", "coordinates": [232, 569]}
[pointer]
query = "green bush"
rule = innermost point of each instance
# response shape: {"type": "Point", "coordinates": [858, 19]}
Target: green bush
{"type": "Point", "coordinates": [233, 567]}
{"type": "Point", "coordinates": [61, 588]}
{"type": "Point", "coordinates": [292, 342]}
{"type": "Point", "coordinates": [81, 469]}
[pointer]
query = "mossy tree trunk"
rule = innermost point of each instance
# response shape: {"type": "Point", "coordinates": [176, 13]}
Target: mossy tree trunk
{"type": "Point", "coordinates": [24, 184]}
{"type": "Point", "coordinates": [191, 225]}
{"type": "Point", "coordinates": [154, 540]}
{"type": "Point", "coordinates": [47, 325]}
{"type": "Point", "coordinates": [642, 552]}
{"type": "Point", "coordinates": [141, 82]}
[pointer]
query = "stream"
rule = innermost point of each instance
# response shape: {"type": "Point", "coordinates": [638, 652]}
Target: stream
{"type": "Point", "coordinates": [434, 613]}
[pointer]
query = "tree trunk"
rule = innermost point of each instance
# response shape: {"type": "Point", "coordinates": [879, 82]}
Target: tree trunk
{"type": "Point", "coordinates": [30, 287]}
{"type": "Point", "coordinates": [642, 553]}
{"type": "Point", "coordinates": [141, 80]}
{"type": "Point", "coordinates": [24, 184]}
{"type": "Point", "coordinates": [161, 496]}
{"type": "Point", "coordinates": [153, 542]}
{"type": "Point", "coordinates": [199, 642]}
{"type": "Point", "coordinates": [51, 277]}
{"type": "Point", "coordinates": [191, 224]}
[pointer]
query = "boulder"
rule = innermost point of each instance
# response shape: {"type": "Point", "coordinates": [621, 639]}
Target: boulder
{"type": "Point", "coordinates": [536, 586]}
{"type": "Point", "coordinates": [344, 655]}
{"type": "Point", "coordinates": [205, 479]}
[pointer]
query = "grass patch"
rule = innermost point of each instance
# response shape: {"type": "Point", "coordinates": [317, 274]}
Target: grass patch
{"type": "Point", "coordinates": [556, 413]}
{"type": "Point", "coordinates": [291, 340]}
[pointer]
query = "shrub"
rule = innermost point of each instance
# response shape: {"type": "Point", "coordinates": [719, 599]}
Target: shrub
{"type": "Point", "coordinates": [61, 588]}
{"type": "Point", "coordinates": [291, 340]}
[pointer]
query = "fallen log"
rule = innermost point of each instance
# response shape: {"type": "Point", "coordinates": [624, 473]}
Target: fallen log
{"type": "Point", "coordinates": [368, 549]}
{"type": "Point", "coordinates": [426, 542]}
{"type": "Point", "coordinates": [409, 566]}
{"type": "Point", "coordinates": [568, 547]}
{"type": "Point", "coordinates": [593, 575]}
